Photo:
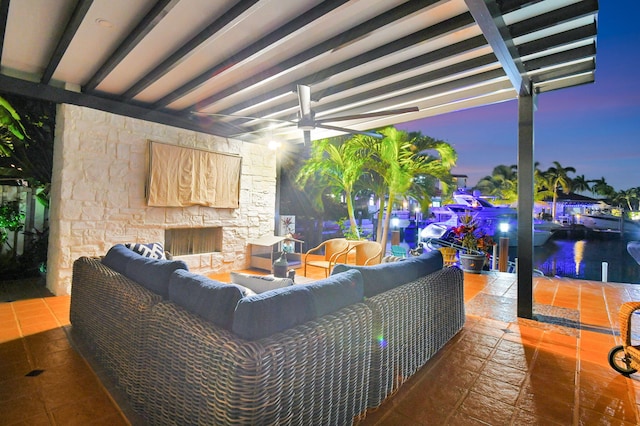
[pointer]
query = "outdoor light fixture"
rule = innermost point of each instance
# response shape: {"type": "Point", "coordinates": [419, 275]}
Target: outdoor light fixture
{"type": "Point", "coordinates": [273, 145]}
{"type": "Point", "coordinates": [395, 221]}
{"type": "Point", "coordinates": [504, 227]}
{"type": "Point", "coordinates": [503, 255]}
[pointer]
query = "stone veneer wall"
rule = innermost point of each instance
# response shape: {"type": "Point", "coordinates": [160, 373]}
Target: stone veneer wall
{"type": "Point", "coordinates": [97, 194]}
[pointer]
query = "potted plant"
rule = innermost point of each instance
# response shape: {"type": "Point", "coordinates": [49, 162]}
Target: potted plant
{"type": "Point", "coordinates": [476, 244]}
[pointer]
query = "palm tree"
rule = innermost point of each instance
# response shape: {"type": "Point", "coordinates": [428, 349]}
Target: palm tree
{"type": "Point", "coordinates": [558, 179]}
{"type": "Point", "coordinates": [397, 159]}
{"type": "Point", "coordinates": [601, 187]}
{"type": "Point", "coordinates": [503, 183]}
{"type": "Point", "coordinates": [335, 164]}
{"type": "Point", "coordinates": [580, 184]}
{"type": "Point", "coordinates": [628, 197]}
{"type": "Point", "coordinates": [440, 157]}
{"type": "Point", "coordinates": [540, 185]}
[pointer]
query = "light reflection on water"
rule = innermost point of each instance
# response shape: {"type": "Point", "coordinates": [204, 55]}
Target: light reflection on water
{"type": "Point", "coordinates": [583, 259]}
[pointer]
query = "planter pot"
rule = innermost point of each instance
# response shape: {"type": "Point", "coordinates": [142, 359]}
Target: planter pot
{"type": "Point", "coordinates": [472, 263]}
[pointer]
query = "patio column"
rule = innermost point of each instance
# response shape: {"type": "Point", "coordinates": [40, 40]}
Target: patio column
{"type": "Point", "coordinates": [526, 106]}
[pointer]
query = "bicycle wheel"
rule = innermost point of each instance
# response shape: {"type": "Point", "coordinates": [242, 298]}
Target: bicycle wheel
{"type": "Point", "coordinates": [619, 361]}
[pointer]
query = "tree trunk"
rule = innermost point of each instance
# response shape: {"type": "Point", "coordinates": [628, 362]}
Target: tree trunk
{"type": "Point", "coordinates": [353, 225]}
{"type": "Point", "coordinates": [387, 219]}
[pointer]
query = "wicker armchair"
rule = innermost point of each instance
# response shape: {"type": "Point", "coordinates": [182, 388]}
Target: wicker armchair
{"type": "Point", "coordinates": [333, 249]}
{"type": "Point", "coordinates": [625, 358]}
{"type": "Point", "coordinates": [367, 253]}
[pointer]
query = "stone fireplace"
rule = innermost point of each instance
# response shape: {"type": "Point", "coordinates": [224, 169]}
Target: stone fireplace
{"type": "Point", "coordinates": [98, 195]}
{"type": "Point", "coordinates": [184, 241]}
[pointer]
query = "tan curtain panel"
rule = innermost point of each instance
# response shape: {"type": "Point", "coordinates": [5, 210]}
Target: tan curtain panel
{"type": "Point", "coordinates": [180, 176]}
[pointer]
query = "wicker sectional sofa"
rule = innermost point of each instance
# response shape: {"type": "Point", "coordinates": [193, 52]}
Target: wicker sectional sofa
{"type": "Point", "coordinates": [188, 350]}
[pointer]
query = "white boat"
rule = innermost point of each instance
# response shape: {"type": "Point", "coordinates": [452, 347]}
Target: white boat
{"type": "Point", "coordinates": [487, 215]}
{"type": "Point", "coordinates": [608, 222]}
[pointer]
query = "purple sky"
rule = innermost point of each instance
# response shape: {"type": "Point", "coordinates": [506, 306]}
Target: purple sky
{"type": "Point", "coordinates": [594, 128]}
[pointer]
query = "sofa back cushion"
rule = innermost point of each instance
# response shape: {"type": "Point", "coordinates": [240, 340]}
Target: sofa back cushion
{"type": "Point", "coordinates": [153, 274]}
{"type": "Point", "coordinates": [277, 310]}
{"type": "Point", "coordinates": [336, 292]}
{"type": "Point", "coordinates": [118, 257]}
{"type": "Point", "coordinates": [212, 300]}
{"type": "Point", "coordinates": [386, 276]}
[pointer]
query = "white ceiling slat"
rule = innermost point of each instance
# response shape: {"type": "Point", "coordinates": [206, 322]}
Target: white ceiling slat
{"type": "Point", "coordinates": [448, 70]}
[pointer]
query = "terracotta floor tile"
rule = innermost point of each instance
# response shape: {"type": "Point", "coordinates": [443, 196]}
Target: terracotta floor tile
{"type": "Point", "coordinates": [519, 372]}
{"type": "Point", "coordinates": [590, 417]}
{"type": "Point", "coordinates": [487, 409]}
{"type": "Point", "coordinates": [21, 409]}
{"type": "Point", "coordinates": [497, 389]}
{"type": "Point", "coordinates": [93, 410]}
{"type": "Point", "coordinates": [504, 373]}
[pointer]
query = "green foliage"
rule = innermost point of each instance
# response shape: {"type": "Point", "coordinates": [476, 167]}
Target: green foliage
{"type": "Point", "coordinates": [26, 142]}
{"type": "Point", "coordinates": [346, 229]}
{"type": "Point", "coordinates": [11, 218]}
{"type": "Point", "coordinates": [9, 124]}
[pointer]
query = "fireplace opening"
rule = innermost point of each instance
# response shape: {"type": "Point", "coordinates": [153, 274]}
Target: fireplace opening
{"type": "Point", "coordinates": [182, 241]}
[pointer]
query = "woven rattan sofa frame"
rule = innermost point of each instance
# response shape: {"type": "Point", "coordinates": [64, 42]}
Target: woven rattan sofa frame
{"type": "Point", "coordinates": [410, 324]}
{"type": "Point", "coordinates": [177, 368]}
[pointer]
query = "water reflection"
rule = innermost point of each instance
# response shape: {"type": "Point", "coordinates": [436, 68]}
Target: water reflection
{"type": "Point", "coordinates": [578, 252]}
{"type": "Point", "coordinates": [583, 259]}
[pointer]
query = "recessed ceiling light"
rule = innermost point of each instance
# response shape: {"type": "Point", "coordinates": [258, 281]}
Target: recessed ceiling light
{"type": "Point", "coordinates": [104, 23]}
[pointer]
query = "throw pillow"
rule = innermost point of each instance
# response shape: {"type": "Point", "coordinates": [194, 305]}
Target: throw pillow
{"type": "Point", "coordinates": [151, 250]}
{"type": "Point", "coordinates": [259, 283]}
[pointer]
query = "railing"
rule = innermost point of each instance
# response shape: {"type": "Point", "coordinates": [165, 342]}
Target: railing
{"type": "Point", "coordinates": [512, 267]}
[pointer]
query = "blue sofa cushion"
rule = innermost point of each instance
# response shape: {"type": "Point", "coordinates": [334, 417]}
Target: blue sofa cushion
{"type": "Point", "coordinates": [118, 257]}
{"type": "Point", "coordinates": [212, 300]}
{"type": "Point", "coordinates": [276, 310]}
{"type": "Point", "coordinates": [153, 274]}
{"type": "Point", "coordinates": [336, 292]}
{"type": "Point", "coordinates": [386, 276]}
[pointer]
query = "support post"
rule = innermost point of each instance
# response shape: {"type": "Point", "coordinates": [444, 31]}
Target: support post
{"type": "Point", "coordinates": [526, 105]}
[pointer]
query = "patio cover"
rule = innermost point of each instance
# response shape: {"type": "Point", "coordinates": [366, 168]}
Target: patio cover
{"type": "Point", "coordinates": [175, 61]}
{"type": "Point", "coordinates": [165, 60]}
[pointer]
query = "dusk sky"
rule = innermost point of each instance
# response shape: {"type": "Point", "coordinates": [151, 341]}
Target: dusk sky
{"type": "Point", "coordinates": [594, 128]}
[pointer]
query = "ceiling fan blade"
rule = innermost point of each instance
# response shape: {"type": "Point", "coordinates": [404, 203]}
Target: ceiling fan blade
{"type": "Point", "coordinates": [351, 131]}
{"type": "Point", "coordinates": [307, 137]}
{"type": "Point", "coordinates": [369, 115]}
{"type": "Point", "coordinates": [242, 117]}
{"type": "Point", "coordinates": [304, 100]}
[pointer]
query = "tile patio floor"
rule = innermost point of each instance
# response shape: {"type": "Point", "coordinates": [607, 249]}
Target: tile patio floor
{"type": "Point", "coordinates": [499, 370]}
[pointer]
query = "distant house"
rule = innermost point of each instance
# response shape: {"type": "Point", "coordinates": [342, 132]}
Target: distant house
{"type": "Point", "coordinates": [572, 204]}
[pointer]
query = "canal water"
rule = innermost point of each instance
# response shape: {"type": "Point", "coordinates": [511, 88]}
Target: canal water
{"type": "Point", "coordinates": [582, 259]}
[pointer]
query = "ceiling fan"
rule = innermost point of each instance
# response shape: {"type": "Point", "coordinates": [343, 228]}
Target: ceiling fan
{"type": "Point", "coordinates": [306, 120]}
